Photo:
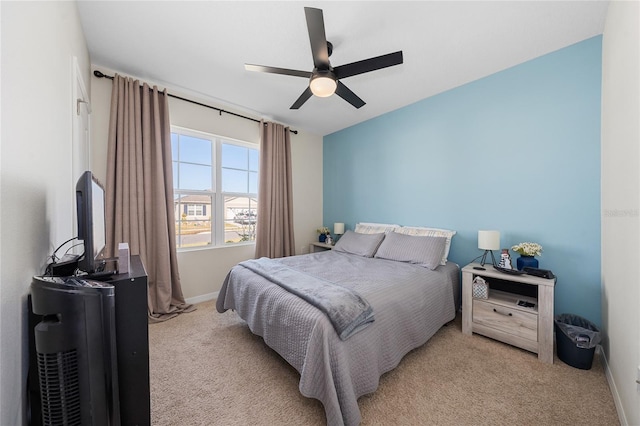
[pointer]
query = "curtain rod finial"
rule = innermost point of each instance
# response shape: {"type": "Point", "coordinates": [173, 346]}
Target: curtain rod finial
{"type": "Point", "coordinates": [100, 74]}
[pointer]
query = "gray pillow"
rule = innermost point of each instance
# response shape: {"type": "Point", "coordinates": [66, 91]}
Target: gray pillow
{"type": "Point", "coordinates": [420, 250]}
{"type": "Point", "coordinates": [360, 244]}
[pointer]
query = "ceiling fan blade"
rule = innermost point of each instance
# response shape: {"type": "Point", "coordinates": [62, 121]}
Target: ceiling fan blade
{"type": "Point", "coordinates": [274, 70]}
{"type": "Point", "coordinates": [371, 64]}
{"type": "Point", "coordinates": [302, 99]}
{"type": "Point", "coordinates": [345, 93]}
{"type": "Point", "coordinates": [317, 37]}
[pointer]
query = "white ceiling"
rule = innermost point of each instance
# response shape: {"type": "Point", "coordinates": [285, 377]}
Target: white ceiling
{"type": "Point", "coordinates": [199, 48]}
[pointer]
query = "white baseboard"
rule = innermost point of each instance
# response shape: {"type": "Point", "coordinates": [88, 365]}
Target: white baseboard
{"type": "Point", "coordinates": [612, 387]}
{"type": "Point", "coordinates": [202, 298]}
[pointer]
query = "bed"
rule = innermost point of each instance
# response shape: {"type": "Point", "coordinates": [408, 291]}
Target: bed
{"type": "Point", "coordinates": [409, 301]}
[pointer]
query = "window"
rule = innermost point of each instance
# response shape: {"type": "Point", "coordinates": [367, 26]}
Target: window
{"type": "Point", "coordinates": [215, 183]}
{"type": "Point", "coordinates": [196, 209]}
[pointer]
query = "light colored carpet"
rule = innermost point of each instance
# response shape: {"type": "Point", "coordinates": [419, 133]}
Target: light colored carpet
{"type": "Point", "coordinates": [209, 369]}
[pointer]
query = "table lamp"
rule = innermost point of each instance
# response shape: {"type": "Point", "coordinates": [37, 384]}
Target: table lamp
{"type": "Point", "coordinates": [338, 229]}
{"type": "Point", "coordinates": [488, 241]}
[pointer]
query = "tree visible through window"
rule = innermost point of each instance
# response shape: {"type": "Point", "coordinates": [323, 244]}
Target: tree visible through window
{"type": "Point", "coordinates": [215, 189]}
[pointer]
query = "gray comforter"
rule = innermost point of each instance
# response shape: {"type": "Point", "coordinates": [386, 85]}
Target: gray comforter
{"type": "Point", "coordinates": [410, 304]}
{"type": "Point", "coordinates": [346, 309]}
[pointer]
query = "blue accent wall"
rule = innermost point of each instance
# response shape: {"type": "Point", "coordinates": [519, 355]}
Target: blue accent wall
{"type": "Point", "coordinates": [517, 151]}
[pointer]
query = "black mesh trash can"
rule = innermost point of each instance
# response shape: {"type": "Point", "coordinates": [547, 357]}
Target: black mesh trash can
{"type": "Point", "coordinates": [576, 340]}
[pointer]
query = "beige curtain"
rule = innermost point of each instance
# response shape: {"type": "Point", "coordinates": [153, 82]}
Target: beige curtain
{"type": "Point", "coordinates": [139, 188]}
{"type": "Point", "coordinates": [274, 233]}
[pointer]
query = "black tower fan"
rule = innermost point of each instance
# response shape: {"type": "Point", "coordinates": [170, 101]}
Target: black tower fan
{"type": "Point", "coordinates": [75, 348]}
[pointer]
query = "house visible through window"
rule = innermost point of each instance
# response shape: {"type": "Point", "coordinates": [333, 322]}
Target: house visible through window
{"type": "Point", "coordinates": [215, 184]}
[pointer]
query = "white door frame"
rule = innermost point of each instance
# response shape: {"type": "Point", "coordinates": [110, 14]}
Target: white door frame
{"type": "Point", "coordinates": [81, 144]}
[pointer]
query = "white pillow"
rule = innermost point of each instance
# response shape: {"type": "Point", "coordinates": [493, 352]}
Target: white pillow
{"type": "Point", "coordinates": [430, 232]}
{"type": "Point", "coordinates": [374, 228]}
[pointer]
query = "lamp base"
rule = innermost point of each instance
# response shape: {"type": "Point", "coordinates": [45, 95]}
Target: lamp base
{"type": "Point", "coordinates": [484, 258]}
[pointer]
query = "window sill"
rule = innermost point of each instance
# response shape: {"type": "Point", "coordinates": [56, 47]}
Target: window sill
{"type": "Point", "coordinates": [191, 249]}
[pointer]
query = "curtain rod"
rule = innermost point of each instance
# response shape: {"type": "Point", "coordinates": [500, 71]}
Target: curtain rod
{"type": "Point", "coordinates": [100, 74]}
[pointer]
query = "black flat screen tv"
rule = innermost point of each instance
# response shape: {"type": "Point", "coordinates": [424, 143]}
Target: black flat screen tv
{"type": "Point", "coordinates": [90, 203]}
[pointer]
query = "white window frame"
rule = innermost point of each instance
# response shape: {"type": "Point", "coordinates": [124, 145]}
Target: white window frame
{"type": "Point", "coordinates": [194, 209]}
{"type": "Point", "coordinates": [217, 196]}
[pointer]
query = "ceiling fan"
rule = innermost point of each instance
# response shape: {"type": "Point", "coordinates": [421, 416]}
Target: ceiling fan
{"type": "Point", "coordinates": [324, 80]}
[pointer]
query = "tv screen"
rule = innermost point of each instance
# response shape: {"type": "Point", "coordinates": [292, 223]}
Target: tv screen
{"type": "Point", "coordinates": [91, 222]}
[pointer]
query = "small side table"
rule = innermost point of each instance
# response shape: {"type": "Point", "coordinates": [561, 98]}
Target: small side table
{"type": "Point", "coordinates": [501, 318]}
{"type": "Point", "coordinates": [315, 247]}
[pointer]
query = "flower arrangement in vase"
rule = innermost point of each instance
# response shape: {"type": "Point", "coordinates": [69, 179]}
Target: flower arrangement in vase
{"type": "Point", "coordinates": [323, 231]}
{"type": "Point", "coordinates": [527, 252]}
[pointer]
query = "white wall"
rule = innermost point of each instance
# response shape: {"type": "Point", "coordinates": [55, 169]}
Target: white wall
{"type": "Point", "coordinates": [621, 205]}
{"type": "Point", "coordinates": [202, 271]}
{"type": "Point", "coordinates": [39, 41]}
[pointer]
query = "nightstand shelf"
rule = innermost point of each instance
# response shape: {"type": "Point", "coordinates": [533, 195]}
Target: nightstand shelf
{"type": "Point", "coordinates": [501, 318]}
{"type": "Point", "coordinates": [315, 247]}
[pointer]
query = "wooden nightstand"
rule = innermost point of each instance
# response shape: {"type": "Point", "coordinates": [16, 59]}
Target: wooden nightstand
{"type": "Point", "coordinates": [315, 247]}
{"type": "Point", "coordinates": [500, 317]}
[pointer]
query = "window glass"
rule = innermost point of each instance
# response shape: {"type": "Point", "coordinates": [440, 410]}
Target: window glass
{"type": "Point", "coordinates": [253, 160]}
{"type": "Point", "coordinates": [195, 177]}
{"type": "Point", "coordinates": [195, 150]}
{"type": "Point", "coordinates": [253, 182]}
{"type": "Point", "coordinates": [174, 146]}
{"type": "Point", "coordinates": [200, 219]}
{"type": "Point", "coordinates": [239, 169]}
{"type": "Point", "coordinates": [193, 220]}
{"type": "Point", "coordinates": [235, 180]}
{"type": "Point", "coordinates": [235, 157]}
{"type": "Point", "coordinates": [240, 216]}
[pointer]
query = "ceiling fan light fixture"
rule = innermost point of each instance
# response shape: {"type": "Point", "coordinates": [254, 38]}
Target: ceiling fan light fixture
{"type": "Point", "coordinates": [323, 86]}
{"type": "Point", "coordinates": [325, 80]}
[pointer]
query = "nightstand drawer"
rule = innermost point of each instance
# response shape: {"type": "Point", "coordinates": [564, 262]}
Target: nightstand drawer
{"type": "Point", "coordinates": [508, 320]}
